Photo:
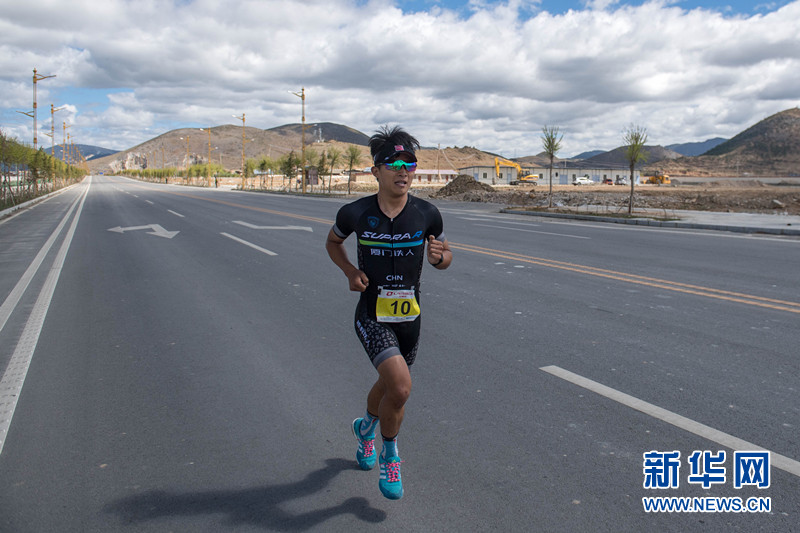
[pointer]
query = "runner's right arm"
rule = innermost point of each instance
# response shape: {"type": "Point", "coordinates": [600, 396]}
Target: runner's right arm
{"type": "Point", "coordinates": [338, 254]}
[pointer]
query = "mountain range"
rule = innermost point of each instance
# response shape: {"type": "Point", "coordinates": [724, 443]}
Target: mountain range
{"type": "Point", "coordinates": [86, 150]}
{"type": "Point", "coordinates": [696, 148]}
{"type": "Point", "coordinates": [770, 147]}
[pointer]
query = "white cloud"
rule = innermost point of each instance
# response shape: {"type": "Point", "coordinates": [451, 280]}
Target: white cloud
{"type": "Point", "coordinates": [490, 76]}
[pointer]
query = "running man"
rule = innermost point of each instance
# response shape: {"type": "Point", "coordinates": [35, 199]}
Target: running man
{"type": "Point", "coordinates": [395, 233]}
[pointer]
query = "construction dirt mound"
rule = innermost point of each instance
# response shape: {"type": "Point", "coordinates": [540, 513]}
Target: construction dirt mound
{"type": "Point", "coordinates": [460, 185]}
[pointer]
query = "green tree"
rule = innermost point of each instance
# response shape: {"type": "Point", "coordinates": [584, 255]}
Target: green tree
{"type": "Point", "coordinates": [634, 138]}
{"type": "Point", "coordinates": [264, 165]}
{"type": "Point", "coordinates": [551, 142]}
{"type": "Point", "coordinates": [250, 166]}
{"type": "Point", "coordinates": [288, 165]}
{"type": "Point", "coordinates": [353, 158]}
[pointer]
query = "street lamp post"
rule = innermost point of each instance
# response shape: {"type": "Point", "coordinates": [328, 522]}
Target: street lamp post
{"type": "Point", "coordinates": [36, 79]}
{"type": "Point", "coordinates": [64, 144]}
{"type": "Point", "coordinates": [302, 96]}
{"type": "Point", "coordinates": [53, 112]}
{"type": "Point", "coordinates": [187, 157]}
{"type": "Point", "coordinates": [208, 163]}
{"type": "Point", "coordinates": [244, 175]}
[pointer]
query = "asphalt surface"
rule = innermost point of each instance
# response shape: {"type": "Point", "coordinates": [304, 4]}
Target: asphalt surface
{"type": "Point", "coordinates": [191, 366]}
{"type": "Point", "coordinates": [770, 224]}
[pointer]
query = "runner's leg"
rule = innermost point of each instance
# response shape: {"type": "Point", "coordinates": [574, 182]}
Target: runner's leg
{"type": "Point", "coordinates": [391, 392]}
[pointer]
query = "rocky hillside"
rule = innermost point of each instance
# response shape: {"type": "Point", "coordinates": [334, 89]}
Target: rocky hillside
{"type": "Point", "coordinates": [616, 158]}
{"type": "Point", "coordinates": [178, 147]}
{"type": "Point", "coordinates": [775, 137]}
{"type": "Point", "coordinates": [322, 132]}
{"type": "Point", "coordinates": [769, 148]}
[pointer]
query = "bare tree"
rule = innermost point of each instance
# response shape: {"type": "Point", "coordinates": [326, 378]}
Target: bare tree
{"type": "Point", "coordinates": [634, 138]}
{"type": "Point", "coordinates": [551, 142]}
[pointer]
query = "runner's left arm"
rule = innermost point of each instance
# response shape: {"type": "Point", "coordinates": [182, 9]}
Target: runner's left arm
{"type": "Point", "coordinates": [439, 253]}
{"type": "Point", "coordinates": [338, 253]}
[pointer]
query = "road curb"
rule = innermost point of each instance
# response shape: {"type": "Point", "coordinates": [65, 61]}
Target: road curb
{"type": "Point", "coordinates": [658, 223]}
{"type": "Point", "coordinates": [5, 213]}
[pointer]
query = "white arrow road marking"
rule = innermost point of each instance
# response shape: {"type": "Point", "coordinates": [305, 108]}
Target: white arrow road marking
{"type": "Point", "coordinates": [157, 230]}
{"type": "Point", "coordinates": [253, 226]}
{"type": "Point", "coordinates": [250, 244]}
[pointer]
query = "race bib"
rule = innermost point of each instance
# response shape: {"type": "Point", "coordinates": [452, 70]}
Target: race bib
{"type": "Point", "coordinates": [396, 305]}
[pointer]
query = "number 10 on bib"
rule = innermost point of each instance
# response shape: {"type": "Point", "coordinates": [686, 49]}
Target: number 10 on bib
{"type": "Point", "coordinates": [396, 305]}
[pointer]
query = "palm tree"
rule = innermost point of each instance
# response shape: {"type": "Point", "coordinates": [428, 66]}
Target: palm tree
{"type": "Point", "coordinates": [334, 155]}
{"type": "Point", "coordinates": [322, 168]}
{"type": "Point", "coordinates": [263, 166]}
{"type": "Point", "coordinates": [353, 158]}
{"type": "Point", "coordinates": [551, 142]}
{"type": "Point", "coordinates": [634, 138]}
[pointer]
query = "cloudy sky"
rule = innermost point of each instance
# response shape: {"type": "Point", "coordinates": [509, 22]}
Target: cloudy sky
{"type": "Point", "coordinates": [453, 72]}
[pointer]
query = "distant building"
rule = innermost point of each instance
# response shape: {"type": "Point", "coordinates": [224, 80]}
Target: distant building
{"type": "Point", "coordinates": [435, 175]}
{"type": "Point", "coordinates": [564, 176]}
{"type": "Point", "coordinates": [488, 174]}
{"type": "Point", "coordinates": [421, 176]}
{"type": "Point", "coordinates": [561, 175]}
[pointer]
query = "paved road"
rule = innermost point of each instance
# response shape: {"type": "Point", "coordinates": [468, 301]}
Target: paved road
{"type": "Point", "coordinates": [204, 380]}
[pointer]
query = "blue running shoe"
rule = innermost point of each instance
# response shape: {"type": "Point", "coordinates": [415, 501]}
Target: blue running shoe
{"type": "Point", "coordinates": [366, 447]}
{"type": "Point", "coordinates": [390, 483]}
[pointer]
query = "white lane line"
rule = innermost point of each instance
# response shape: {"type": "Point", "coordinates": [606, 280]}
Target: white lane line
{"type": "Point", "coordinates": [680, 231]}
{"type": "Point", "coordinates": [17, 370]}
{"type": "Point", "coordinates": [729, 441]}
{"type": "Point", "coordinates": [174, 213]}
{"type": "Point", "coordinates": [253, 226]}
{"type": "Point", "coordinates": [14, 296]}
{"type": "Point", "coordinates": [534, 231]}
{"type": "Point", "coordinates": [250, 244]}
{"type": "Point", "coordinates": [149, 202]}
{"type": "Point", "coordinates": [504, 220]}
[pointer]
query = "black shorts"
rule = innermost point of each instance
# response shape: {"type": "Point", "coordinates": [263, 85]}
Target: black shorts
{"type": "Point", "coordinates": [382, 340]}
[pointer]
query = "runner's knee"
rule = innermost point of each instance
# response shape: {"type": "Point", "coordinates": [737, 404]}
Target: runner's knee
{"type": "Point", "coordinates": [398, 394]}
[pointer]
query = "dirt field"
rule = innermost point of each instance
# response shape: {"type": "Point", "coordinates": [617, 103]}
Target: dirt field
{"type": "Point", "coordinates": [746, 197]}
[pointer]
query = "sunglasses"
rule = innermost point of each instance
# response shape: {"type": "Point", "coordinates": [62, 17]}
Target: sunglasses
{"type": "Point", "coordinates": [399, 165]}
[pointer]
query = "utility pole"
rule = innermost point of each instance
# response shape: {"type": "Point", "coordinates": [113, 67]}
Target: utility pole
{"type": "Point", "coordinates": [52, 135]}
{"type": "Point", "coordinates": [244, 178]}
{"type": "Point", "coordinates": [302, 96]}
{"type": "Point", "coordinates": [64, 144]}
{"type": "Point", "coordinates": [208, 163]}
{"type": "Point", "coordinates": [438, 172]}
{"type": "Point", "coordinates": [53, 111]}
{"type": "Point", "coordinates": [36, 78]}
{"type": "Point", "coordinates": [187, 156]}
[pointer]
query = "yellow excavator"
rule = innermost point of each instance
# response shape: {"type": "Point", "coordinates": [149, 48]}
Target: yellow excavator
{"type": "Point", "coordinates": [659, 178]}
{"type": "Point", "coordinates": [522, 178]}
